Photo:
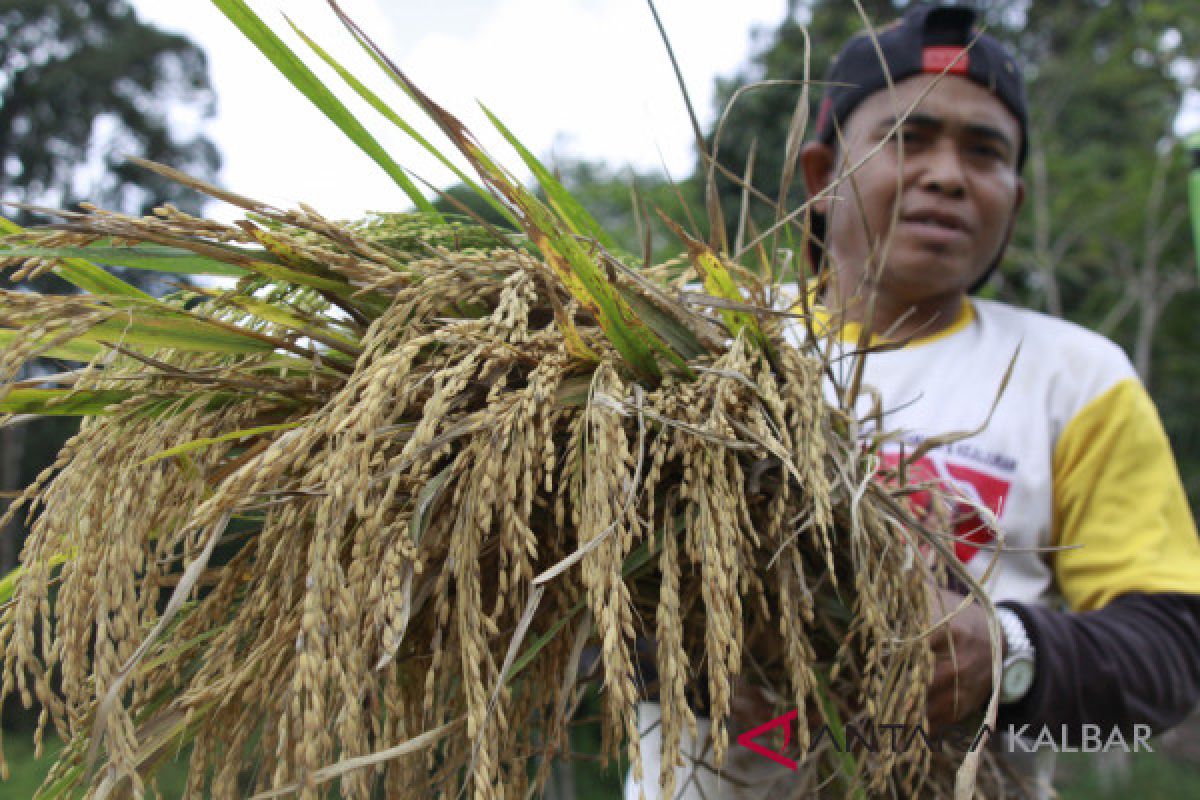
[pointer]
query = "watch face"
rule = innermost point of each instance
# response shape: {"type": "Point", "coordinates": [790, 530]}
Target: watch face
{"type": "Point", "coordinates": [1017, 679]}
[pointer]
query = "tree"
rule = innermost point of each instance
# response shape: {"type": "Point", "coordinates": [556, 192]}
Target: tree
{"type": "Point", "coordinates": [82, 85]}
{"type": "Point", "coordinates": [1105, 240]}
{"type": "Point", "coordinates": [87, 83]}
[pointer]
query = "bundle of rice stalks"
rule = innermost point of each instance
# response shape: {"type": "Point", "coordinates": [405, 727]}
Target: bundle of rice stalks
{"type": "Point", "coordinates": [366, 516]}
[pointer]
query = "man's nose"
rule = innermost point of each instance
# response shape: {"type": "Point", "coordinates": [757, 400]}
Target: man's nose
{"type": "Point", "coordinates": [940, 169]}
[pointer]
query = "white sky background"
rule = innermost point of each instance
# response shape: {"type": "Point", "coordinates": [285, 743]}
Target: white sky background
{"type": "Point", "coordinates": [576, 78]}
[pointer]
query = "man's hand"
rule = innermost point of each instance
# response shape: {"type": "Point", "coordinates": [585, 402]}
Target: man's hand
{"type": "Point", "coordinates": [962, 673]}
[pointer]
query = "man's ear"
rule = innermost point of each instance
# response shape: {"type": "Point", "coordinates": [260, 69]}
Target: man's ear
{"type": "Point", "coordinates": [817, 163]}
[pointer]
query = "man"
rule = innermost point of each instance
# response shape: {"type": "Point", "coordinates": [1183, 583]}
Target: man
{"type": "Point", "coordinates": [1098, 580]}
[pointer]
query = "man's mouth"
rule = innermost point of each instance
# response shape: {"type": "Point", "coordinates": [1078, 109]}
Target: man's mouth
{"type": "Point", "coordinates": [937, 228]}
{"type": "Point", "coordinates": [936, 219]}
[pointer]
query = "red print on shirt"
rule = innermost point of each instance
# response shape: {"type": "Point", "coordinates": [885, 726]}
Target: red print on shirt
{"type": "Point", "coordinates": [961, 488]}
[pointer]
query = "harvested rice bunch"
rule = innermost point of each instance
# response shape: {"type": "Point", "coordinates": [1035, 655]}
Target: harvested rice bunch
{"type": "Point", "coordinates": [402, 514]}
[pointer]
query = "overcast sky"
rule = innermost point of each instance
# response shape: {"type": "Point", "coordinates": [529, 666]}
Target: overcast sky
{"type": "Point", "coordinates": [575, 78]}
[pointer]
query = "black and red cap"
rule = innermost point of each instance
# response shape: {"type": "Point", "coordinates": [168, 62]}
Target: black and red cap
{"type": "Point", "coordinates": [929, 38]}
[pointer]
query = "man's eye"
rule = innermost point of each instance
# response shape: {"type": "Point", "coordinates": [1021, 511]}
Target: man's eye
{"type": "Point", "coordinates": [907, 137]}
{"type": "Point", "coordinates": [988, 151]}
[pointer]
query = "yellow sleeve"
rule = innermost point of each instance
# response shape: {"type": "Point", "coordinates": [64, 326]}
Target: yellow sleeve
{"type": "Point", "coordinates": [1117, 494]}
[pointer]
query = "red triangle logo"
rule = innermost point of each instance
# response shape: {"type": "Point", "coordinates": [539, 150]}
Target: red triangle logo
{"type": "Point", "coordinates": [747, 739]}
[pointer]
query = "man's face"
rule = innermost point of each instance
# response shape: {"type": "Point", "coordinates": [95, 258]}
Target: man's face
{"type": "Point", "coordinates": [936, 204]}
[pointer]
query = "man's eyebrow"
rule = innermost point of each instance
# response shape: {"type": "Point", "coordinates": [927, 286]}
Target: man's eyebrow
{"type": "Point", "coordinates": [921, 120]}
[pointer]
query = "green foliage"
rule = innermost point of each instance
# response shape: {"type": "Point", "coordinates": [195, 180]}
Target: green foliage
{"type": "Point", "coordinates": [28, 773]}
{"type": "Point", "coordinates": [1151, 776]}
{"type": "Point", "coordinates": [1173, 386]}
{"type": "Point", "coordinates": [89, 80]}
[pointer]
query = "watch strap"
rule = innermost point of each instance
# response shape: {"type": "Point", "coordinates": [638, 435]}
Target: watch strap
{"type": "Point", "coordinates": [1018, 651]}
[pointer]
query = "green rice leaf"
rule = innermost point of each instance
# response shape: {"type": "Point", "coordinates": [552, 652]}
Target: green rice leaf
{"type": "Point", "coordinates": [719, 282]}
{"type": "Point", "coordinates": [168, 405]}
{"type": "Point", "coordinates": [200, 444]}
{"type": "Point", "coordinates": [849, 763]}
{"type": "Point", "coordinates": [75, 350]}
{"type": "Point", "coordinates": [88, 277]}
{"type": "Point", "coordinates": [157, 328]}
{"type": "Point", "coordinates": [573, 391]}
{"type": "Point", "coordinates": [62, 402]}
{"type": "Point", "coordinates": [535, 647]}
{"type": "Point", "coordinates": [283, 274]}
{"type": "Point", "coordinates": [430, 492]}
{"type": "Point", "coordinates": [322, 330]}
{"type": "Point", "coordinates": [8, 584]}
{"type": "Point", "coordinates": [191, 257]}
{"type": "Point", "coordinates": [63, 787]}
{"type": "Point", "coordinates": [159, 258]}
{"type": "Point", "coordinates": [634, 341]}
{"type": "Point", "coordinates": [303, 78]}
{"type": "Point", "coordinates": [677, 335]}
{"type": "Point", "coordinates": [637, 559]}
{"type": "Point", "coordinates": [173, 653]}
{"type": "Point", "coordinates": [152, 325]}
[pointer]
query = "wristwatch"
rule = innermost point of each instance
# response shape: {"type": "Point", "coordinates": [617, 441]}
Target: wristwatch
{"type": "Point", "coordinates": [1016, 674]}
